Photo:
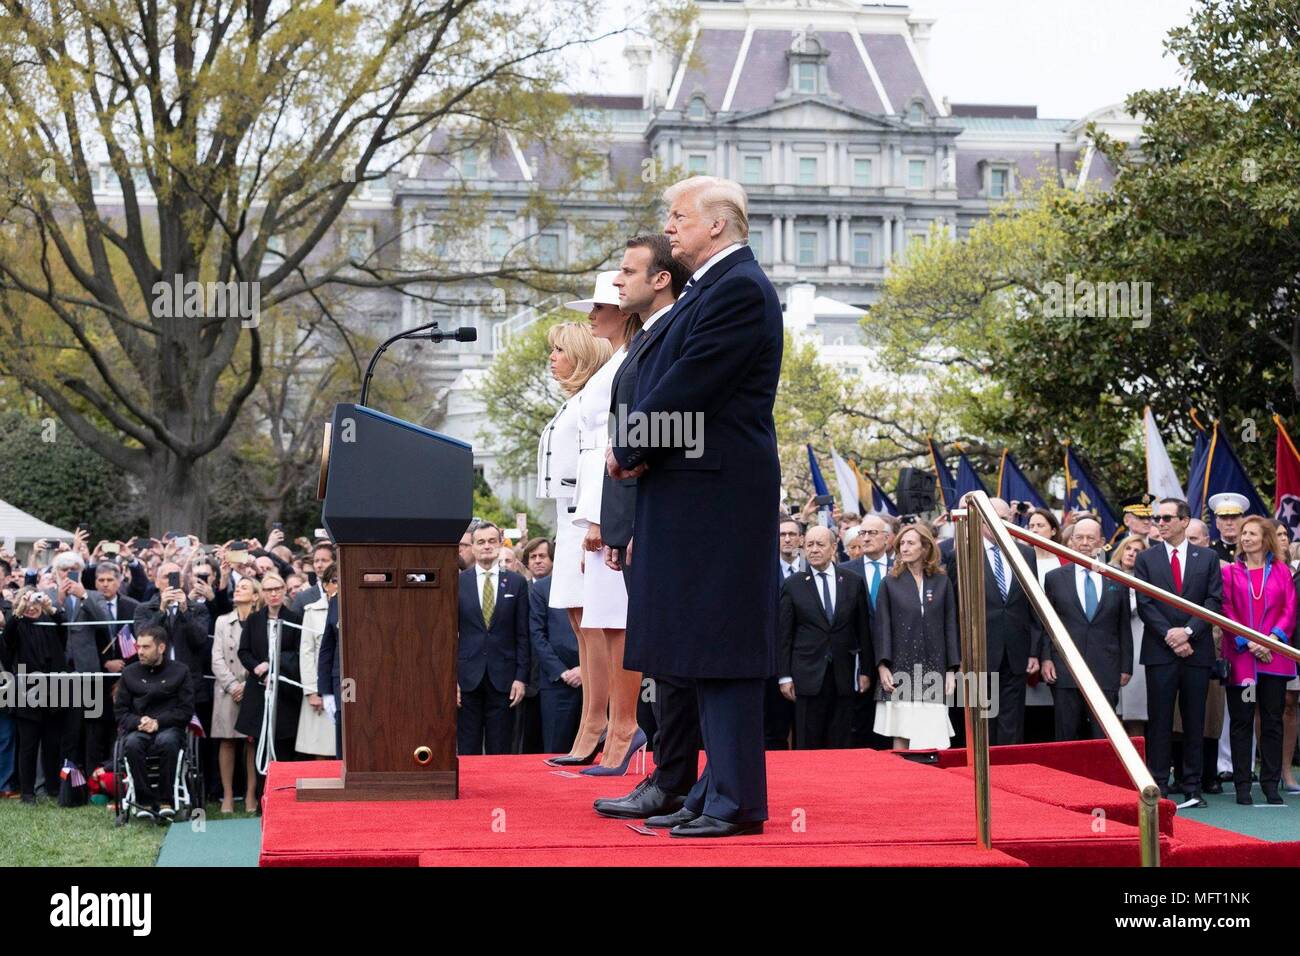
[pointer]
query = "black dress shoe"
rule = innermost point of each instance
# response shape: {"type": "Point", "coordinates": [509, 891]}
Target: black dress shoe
{"type": "Point", "coordinates": [644, 782]}
{"type": "Point", "coordinates": [650, 801]}
{"type": "Point", "coordinates": [1213, 786]}
{"type": "Point", "coordinates": [1273, 797]}
{"type": "Point", "coordinates": [1244, 798]}
{"type": "Point", "coordinates": [671, 820]}
{"type": "Point", "coordinates": [706, 826]}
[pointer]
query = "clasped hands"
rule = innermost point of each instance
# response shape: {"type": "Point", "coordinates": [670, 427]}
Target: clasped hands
{"type": "Point", "coordinates": [1179, 642]}
{"type": "Point", "coordinates": [617, 471]}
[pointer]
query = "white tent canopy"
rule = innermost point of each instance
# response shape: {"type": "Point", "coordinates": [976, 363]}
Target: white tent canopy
{"type": "Point", "coordinates": [18, 526]}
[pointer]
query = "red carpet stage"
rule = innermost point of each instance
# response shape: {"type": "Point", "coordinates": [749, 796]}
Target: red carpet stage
{"type": "Point", "coordinates": [1052, 805]}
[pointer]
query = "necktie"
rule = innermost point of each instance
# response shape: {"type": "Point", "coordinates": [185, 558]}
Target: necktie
{"type": "Point", "coordinates": [690, 283]}
{"type": "Point", "coordinates": [875, 582]}
{"type": "Point", "coordinates": [1089, 596]}
{"type": "Point", "coordinates": [789, 569]}
{"type": "Point", "coordinates": [1177, 570]}
{"type": "Point", "coordinates": [999, 572]}
{"type": "Point", "coordinates": [826, 596]}
{"type": "Point", "coordinates": [489, 600]}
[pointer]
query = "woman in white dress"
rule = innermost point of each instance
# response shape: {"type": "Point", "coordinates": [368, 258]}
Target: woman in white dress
{"type": "Point", "coordinates": [576, 355]}
{"type": "Point", "coordinates": [914, 631]}
{"type": "Point", "coordinates": [1133, 695]}
{"type": "Point", "coordinates": [315, 726]}
{"type": "Point", "coordinates": [604, 595]}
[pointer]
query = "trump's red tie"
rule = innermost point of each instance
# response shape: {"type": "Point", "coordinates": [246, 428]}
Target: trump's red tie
{"type": "Point", "coordinates": [1177, 570]}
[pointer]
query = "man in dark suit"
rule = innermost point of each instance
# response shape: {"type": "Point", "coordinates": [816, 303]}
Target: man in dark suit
{"type": "Point", "coordinates": [778, 711]}
{"type": "Point", "coordinates": [322, 556]}
{"type": "Point", "coordinates": [555, 655]}
{"type": "Point", "coordinates": [106, 603]}
{"type": "Point", "coordinates": [329, 666]}
{"type": "Point", "coordinates": [823, 630]}
{"type": "Point", "coordinates": [1013, 632]}
{"type": "Point", "coordinates": [648, 283]}
{"type": "Point", "coordinates": [1095, 613]}
{"type": "Point", "coordinates": [876, 536]}
{"type": "Point", "coordinates": [494, 656]}
{"type": "Point", "coordinates": [713, 361]}
{"type": "Point", "coordinates": [1177, 649]}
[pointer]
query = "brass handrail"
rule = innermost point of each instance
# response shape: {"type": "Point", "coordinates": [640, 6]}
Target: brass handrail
{"type": "Point", "coordinates": [978, 515]}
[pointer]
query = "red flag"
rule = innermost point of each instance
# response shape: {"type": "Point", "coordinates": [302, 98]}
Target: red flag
{"type": "Point", "coordinates": [1286, 496]}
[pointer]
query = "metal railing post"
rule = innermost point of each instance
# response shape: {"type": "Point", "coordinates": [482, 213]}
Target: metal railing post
{"type": "Point", "coordinates": [974, 656]}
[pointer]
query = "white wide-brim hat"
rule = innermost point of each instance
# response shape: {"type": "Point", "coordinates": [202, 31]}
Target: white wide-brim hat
{"type": "Point", "coordinates": [605, 294]}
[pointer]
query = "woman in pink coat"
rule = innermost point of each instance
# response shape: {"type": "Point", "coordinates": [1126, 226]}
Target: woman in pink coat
{"type": "Point", "coordinates": [1258, 593]}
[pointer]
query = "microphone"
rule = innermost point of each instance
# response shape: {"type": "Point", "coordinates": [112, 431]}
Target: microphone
{"type": "Point", "coordinates": [430, 332]}
{"type": "Point", "coordinates": [463, 334]}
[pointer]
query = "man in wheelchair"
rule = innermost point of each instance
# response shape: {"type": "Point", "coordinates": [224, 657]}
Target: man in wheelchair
{"type": "Point", "coordinates": [154, 703]}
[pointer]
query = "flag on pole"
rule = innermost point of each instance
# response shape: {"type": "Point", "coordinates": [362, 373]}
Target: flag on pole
{"type": "Point", "coordinates": [847, 480]}
{"type": "Point", "coordinates": [819, 483]}
{"type": "Point", "coordinates": [1220, 470]}
{"type": "Point", "coordinates": [947, 487]}
{"type": "Point", "coordinates": [968, 479]}
{"type": "Point", "coordinates": [1286, 496]}
{"type": "Point", "coordinates": [1196, 467]}
{"type": "Point", "coordinates": [1013, 485]}
{"type": "Point", "coordinates": [1082, 494]}
{"type": "Point", "coordinates": [1162, 480]}
{"type": "Point", "coordinates": [871, 492]}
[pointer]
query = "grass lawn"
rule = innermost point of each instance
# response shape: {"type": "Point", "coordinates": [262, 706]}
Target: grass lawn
{"type": "Point", "coordinates": [45, 834]}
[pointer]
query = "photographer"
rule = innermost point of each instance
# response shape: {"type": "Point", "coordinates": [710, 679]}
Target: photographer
{"type": "Point", "coordinates": [30, 642]}
{"type": "Point", "coordinates": [184, 618]}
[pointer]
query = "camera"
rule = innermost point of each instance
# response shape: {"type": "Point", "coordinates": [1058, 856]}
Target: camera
{"type": "Point", "coordinates": [173, 579]}
{"type": "Point", "coordinates": [907, 519]}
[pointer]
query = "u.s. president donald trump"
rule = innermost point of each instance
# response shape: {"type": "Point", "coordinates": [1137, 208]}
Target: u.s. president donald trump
{"type": "Point", "coordinates": [707, 615]}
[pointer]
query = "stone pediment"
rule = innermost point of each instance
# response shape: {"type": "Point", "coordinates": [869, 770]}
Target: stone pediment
{"type": "Point", "coordinates": [813, 113]}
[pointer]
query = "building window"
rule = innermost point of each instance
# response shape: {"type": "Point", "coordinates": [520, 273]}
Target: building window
{"type": "Point", "coordinates": [916, 174]}
{"type": "Point", "coordinates": [498, 241]}
{"type": "Point", "coordinates": [806, 77]}
{"type": "Point", "coordinates": [807, 248]}
{"type": "Point", "coordinates": [862, 249]}
{"type": "Point", "coordinates": [862, 172]}
{"type": "Point", "coordinates": [469, 164]}
{"type": "Point", "coordinates": [756, 244]}
{"type": "Point", "coordinates": [807, 170]}
{"type": "Point", "coordinates": [697, 164]}
{"type": "Point", "coordinates": [697, 110]}
{"type": "Point", "coordinates": [548, 249]}
{"type": "Point", "coordinates": [752, 170]}
{"type": "Point", "coordinates": [999, 182]}
{"type": "Point", "coordinates": [916, 113]}
{"type": "Point", "coordinates": [358, 243]}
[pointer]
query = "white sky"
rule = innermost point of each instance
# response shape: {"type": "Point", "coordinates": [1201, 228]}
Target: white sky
{"type": "Point", "coordinates": [1067, 57]}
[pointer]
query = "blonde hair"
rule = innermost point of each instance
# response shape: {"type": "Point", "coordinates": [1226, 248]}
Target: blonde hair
{"type": "Point", "coordinates": [257, 592]}
{"type": "Point", "coordinates": [587, 352]}
{"type": "Point", "coordinates": [930, 562]}
{"type": "Point", "coordinates": [1117, 559]}
{"type": "Point", "coordinates": [716, 198]}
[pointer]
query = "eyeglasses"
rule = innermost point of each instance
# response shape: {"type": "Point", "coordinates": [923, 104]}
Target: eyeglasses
{"type": "Point", "coordinates": [870, 534]}
{"type": "Point", "coordinates": [1164, 518]}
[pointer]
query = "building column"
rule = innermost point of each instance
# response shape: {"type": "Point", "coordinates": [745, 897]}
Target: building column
{"type": "Point", "coordinates": [789, 173]}
{"type": "Point", "coordinates": [900, 239]}
{"type": "Point", "coordinates": [887, 240]}
{"type": "Point", "coordinates": [778, 240]}
{"type": "Point", "coordinates": [832, 239]}
{"type": "Point", "coordinates": [790, 254]}
{"type": "Point", "coordinates": [846, 241]}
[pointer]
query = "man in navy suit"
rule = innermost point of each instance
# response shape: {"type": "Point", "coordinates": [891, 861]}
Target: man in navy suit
{"type": "Point", "coordinates": [1096, 616]}
{"type": "Point", "coordinates": [876, 535]}
{"type": "Point", "coordinates": [714, 359]}
{"type": "Point", "coordinates": [555, 649]}
{"type": "Point", "coordinates": [1177, 649]}
{"type": "Point", "coordinates": [494, 654]}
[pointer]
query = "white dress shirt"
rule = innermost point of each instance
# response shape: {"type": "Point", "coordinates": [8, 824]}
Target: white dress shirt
{"type": "Point", "coordinates": [715, 258]}
{"type": "Point", "coordinates": [645, 326]}
{"type": "Point", "coordinates": [1081, 575]}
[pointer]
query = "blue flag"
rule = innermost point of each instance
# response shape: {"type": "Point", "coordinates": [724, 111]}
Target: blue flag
{"type": "Point", "coordinates": [1082, 494]}
{"type": "Point", "coordinates": [881, 503]}
{"type": "Point", "coordinates": [967, 478]}
{"type": "Point", "coordinates": [819, 483]}
{"type": "Point", "coordinates": [947, 487]}
{"type": "Point", "coordinates": [1013, 485]}
{"type": "Point", "coordinates": [1220, 470]}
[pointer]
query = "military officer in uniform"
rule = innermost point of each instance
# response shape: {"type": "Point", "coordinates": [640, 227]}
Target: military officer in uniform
{"type": "Point", "coordinates": [1229, 511]}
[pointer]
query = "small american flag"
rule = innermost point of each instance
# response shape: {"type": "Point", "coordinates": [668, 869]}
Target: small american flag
{"type": "Point", "coordinates": [196, 726]}
{"type": "Point", "coordinates": [125, 642]}
{"type": "Point", "coordinates": [72, 773]}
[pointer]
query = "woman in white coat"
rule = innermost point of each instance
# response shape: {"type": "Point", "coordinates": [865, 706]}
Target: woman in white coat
{"type": "Point", "coordinates": [228, 692]}
{"type": "Point", "coordinates": [315, 726]}
{"type": "Point", "coordinates": [604, 594]}
{"type": "Point", "coordinates": [576, 355]}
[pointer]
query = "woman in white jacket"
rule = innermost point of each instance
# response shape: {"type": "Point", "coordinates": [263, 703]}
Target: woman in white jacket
{"type": "Point", "coordinates": [604, 595]}
{"type": "Point", "coordinates": [315, 726]}
{"type": "Point", "coordinates": [576, 355]}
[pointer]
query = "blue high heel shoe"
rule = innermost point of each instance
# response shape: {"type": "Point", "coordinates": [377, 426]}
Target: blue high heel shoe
{"type": "Point", "coordinates": [635, 749]}
{"type": "Point", "coordinates": [578, 761]}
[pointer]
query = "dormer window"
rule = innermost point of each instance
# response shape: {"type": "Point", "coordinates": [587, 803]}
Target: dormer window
{"type": "Point", "coordinates": [697, 110]}
{"type": "Point", "coordinates": [807, 59]}
{"type": "Point", "coordinates": [916, 112]}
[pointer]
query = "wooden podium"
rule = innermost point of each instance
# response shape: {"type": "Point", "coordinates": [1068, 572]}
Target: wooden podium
{"type": "Point", "coordinates": [397, 498]}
